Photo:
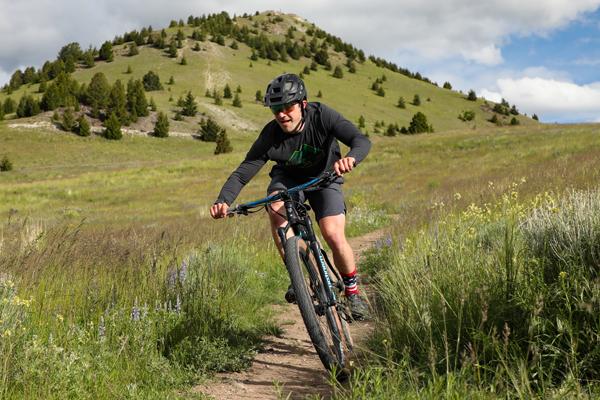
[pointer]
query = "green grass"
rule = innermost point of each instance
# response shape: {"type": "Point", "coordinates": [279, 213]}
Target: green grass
{"type": "Point", "coordinates": [497, 301]}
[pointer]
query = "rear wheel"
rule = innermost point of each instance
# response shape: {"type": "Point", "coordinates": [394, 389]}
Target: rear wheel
{"type": "Point", "coordinates": [324, 324]}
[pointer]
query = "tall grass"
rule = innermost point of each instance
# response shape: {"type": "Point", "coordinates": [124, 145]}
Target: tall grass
{"type": "Point", "coordinates": [89, 313]}
{"type": "Point", "coordinates": [500, 300]}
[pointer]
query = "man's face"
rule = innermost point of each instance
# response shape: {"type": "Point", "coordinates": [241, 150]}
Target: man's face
{"type": "Point", "coordinates": [289, 116]}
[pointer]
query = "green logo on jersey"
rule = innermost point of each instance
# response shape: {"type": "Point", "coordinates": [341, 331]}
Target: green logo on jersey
{"type": "Point", "coordinates": [306, 157]}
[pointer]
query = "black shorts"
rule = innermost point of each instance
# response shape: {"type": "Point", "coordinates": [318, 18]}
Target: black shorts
{"type": "Point", "coordinates": [325, 202]}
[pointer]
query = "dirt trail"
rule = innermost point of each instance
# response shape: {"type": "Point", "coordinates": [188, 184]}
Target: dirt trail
{"type": "Point", "coordinates": [288, 366]}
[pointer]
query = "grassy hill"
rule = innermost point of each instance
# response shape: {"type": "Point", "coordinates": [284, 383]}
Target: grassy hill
{"type": "Point", "coordinates": [215, 65]}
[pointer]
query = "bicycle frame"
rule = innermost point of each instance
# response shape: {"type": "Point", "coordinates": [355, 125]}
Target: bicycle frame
{"type": "Point", "coordinates": [301, 225]}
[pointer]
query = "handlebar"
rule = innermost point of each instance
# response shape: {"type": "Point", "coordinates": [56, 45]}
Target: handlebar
{"type": "Point", "coordinates": [246, 208]}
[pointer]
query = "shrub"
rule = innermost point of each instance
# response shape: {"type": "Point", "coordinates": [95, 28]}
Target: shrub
{"type": "Point", "coordinates": [514, 121]}
{"type": "Point", "coordinates": [151, 82]}
{"type": "Point", "coordinates": [223, 144]}
{"type": "Point", "coordinates": [5, 164]}
{"type": "Point", "coordinates": [468, 115]}
{"type": "Point", "coordinates": [337, 72]}
{"type": "Point", "coordinates": [210, 130]}
{"type": "Point", "coordinates": [419, 124]}
{"type": "Point", "coordinates": [401, 102]}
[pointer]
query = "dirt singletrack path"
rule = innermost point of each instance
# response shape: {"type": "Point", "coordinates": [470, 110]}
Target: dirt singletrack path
{"type": "Point", "coordinates": [288, 366]}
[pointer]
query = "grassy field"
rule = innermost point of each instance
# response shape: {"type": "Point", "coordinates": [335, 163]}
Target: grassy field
{"type": "Point", "coordinates": [92, 230]}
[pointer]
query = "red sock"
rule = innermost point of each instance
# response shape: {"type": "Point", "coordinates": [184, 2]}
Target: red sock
{"type": "Point", "coordinates": [350, 283]}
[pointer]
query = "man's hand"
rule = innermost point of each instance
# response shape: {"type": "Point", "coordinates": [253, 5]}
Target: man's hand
{"type": "Point", "coordinates": [219, 210]}
{"type": "Point", "coordinates": [344, 165]}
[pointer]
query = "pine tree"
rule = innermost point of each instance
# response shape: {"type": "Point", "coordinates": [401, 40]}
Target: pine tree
{"type": "Point", "coordinates": [9, 106]}
{"type": "Point", "coordinates": [68, 120]}
{"type": "Point", "coordinates": [381, 91]}
{"type": "Point", "coordinates": [189, 108]}
{"type": "Point", "coordinates": [1, 111]}
{"type": "Point", "coordinates": [83, 126]}
{"type": "Point", "coordinates": [151, 82]}
{"type": "Point", "coordinates": [223, 144]}
{"type": "Point", "coordinates": [97, 93]}
{"type": "Point", "coordinates": [258, 96]}
{"type": "Point", "coordinates": [361, 122]}
{"type": "Point", "coordinates": [133, 50]}
{"type": "Point", "coordinates": [535, 117]}
{"type": "Point", "coordinates": [447, 85]}
{"type": "Point", "coordinates": [514, 121]}
{"type": "Point", "coordinates": [416, 100]}
{"type": "Point", "coordinates": [238, 89]}
{"type": "Point", "coordinates": [28, 106]}
{"type": "Point", "coordinates": [419, 124]}
{"type": "Point", "coordinates": [112, 127]}
{"type": "Point", "coordinates": [237, 102]}
{"type": "Point", "coordinates": [209, 130]}
{"type": "Point", "coordinates": [338, 73]}
{"type": "Point", "coordinates": [183, 61]}
{"type": "Point", "coordinates": [472, 96]}
{"type": "Point", "coordinates": [172, 50]}
{"type": "Point", "coordinates": [320, 94]}
{"type": "Point", "coordinates": [137, 104]}
{"type": "Point", "coordinates": [217, 98]}
{"type": "Point", "coordinates": [161, 128]}
{"type": "Point", "coordinates": [106, 52]}
{"type": "Point", "coordinates": [152, 104]}
{"type": "Point", "coordinates": [401, 102]}
{"type": "Point", "coordinates": [226, 91]}
{"type": "Point", "coordinates": [117, 102]}
{"type": "Point", "coordinates": [129, 70]}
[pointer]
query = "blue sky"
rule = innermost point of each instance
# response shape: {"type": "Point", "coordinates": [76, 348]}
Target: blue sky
{"type": "Point", "coordinates": [542, 55]}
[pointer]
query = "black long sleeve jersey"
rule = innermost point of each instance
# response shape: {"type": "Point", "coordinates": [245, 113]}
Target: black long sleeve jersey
{"type": "Point", "coordinates": [302, 155]}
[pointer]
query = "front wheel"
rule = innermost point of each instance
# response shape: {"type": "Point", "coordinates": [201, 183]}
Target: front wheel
{"type": "Point", "coordinates": [323, 323]}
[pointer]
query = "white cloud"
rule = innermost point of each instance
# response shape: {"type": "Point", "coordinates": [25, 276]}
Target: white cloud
{"type": "Point", "coordinates": [552, 99]}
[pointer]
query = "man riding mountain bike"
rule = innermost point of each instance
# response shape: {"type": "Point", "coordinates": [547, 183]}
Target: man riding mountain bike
{"type": "Point", "coordinates": [302, 140]}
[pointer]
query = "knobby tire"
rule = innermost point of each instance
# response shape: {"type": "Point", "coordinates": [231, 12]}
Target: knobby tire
{"type": "Point", "coordinates": [327, 332]}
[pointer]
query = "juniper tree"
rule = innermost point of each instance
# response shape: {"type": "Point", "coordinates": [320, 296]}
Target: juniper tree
{"type": "Point", "coordinates": [209, 130]}
{"type": "Point", "coordinates": [68, 120]}
{"type": "Point", "coordinates": [161, 127]}
{"type": "Point", "coordinates": [189, 108]}
{"type": "Point", "coordinates": [338, 73]}
{"type": "Point", "coordinates": [419, 124]}
{"type": "Point", "coordinates": [106, 52]}
{"type": "Point", "coordinates": [133, 50]}
{"type": "Point", "coordinates": [117, 102]}
{"type": "Point", "coordinates": [226, 91]}
{"type": "Point", "coordinates": [97, 93]}
{"type": "Point", "coordinates": [151, 82]}
{"type": "Point", "coordinates": [137, 104]}
{"type": "Point", "coordinates": [112, 128]}
{"type": "Point", "coordinates": [237, 102]}
{"type": "Point", "coordinates": [223, 144]}
{"type": "Point", "coordinates": [28, 106]}
{"type": "Point", "coordinates": [83, 126]}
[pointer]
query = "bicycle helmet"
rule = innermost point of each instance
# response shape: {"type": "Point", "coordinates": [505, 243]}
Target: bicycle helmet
{"type": "Point", "coordinates": [285, 89]}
